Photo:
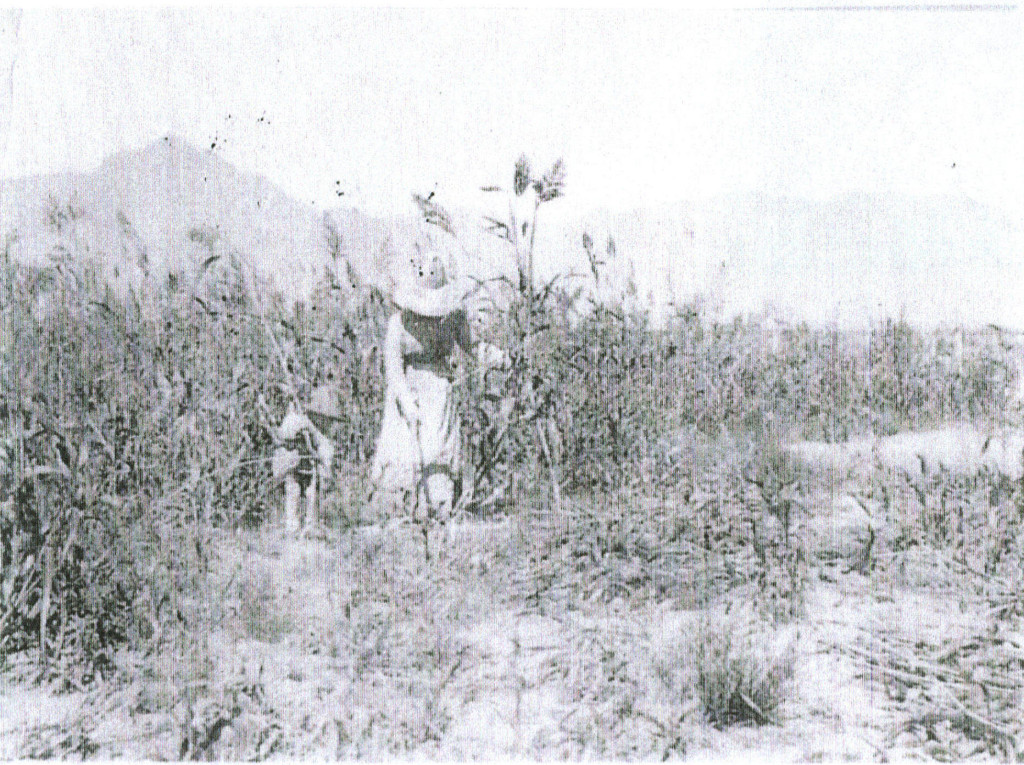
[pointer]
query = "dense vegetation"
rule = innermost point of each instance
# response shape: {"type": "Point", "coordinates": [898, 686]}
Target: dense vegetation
{"type": "Point", "coordinates": [137, 428]}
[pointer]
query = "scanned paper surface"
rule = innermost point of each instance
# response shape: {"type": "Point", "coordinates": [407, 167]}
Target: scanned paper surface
{"type": "Point", "coordinates": [498, 384]}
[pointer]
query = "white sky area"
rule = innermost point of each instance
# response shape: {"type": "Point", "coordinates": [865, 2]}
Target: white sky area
{"type": "Point", "coordinates": [644, 107]}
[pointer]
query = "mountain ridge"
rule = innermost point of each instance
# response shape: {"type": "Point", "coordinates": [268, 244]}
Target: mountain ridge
{"type": "Point", "coordinates": [856, 256]}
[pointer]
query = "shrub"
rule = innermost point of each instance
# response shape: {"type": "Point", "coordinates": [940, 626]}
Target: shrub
{"type": "Point", "coordinates": [738, 678]}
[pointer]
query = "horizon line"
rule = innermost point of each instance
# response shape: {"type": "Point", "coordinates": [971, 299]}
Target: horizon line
{"type": "Point", "coordinates": [370, 208]}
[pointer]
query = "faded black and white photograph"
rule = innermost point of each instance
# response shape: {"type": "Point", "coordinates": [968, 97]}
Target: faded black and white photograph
{"type": "Point", "coordinates": [512, 383]}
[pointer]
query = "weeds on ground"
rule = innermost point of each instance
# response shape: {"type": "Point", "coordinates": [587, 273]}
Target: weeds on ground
{"type": "Point", "coordinates": [955, 535]}
{"type": "Point", "coordinates": [732, 520]}
{"type": "Point", "coordinates": [622, 703]}
{"type": "Point", "coordinates": [953, 698]}
{"type": "Point", "coordinates": [738, 678]}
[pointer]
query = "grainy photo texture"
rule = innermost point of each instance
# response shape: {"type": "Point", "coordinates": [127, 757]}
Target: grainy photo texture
{"type": "Point", "coordinates": [488, 384]}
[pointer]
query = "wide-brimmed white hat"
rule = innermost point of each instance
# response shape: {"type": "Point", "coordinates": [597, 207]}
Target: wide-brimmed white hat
{"type": "Point", "coordinates": [423, 285]}
{"type": "Point", "coordinates": [433, 303]}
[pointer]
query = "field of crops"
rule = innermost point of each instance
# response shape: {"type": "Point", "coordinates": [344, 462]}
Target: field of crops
{"type": "Point", "coordinates": [692, 539]}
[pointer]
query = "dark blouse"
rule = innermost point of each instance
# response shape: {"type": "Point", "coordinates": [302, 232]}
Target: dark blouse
{"type": "Point", "coordinates": [431, 341]}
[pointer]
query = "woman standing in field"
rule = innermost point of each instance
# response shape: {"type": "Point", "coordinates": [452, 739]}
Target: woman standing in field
{"type": "Point", "coordinates": [418, 461]}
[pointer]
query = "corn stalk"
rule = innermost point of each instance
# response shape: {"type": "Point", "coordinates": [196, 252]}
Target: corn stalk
{"type": "Point", "coordinates": [544, 189]}
{"type": "Point", "coordinates": [291, 386]}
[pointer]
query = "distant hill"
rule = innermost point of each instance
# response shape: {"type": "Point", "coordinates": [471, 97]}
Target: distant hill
{"type": "Point", "coordinates": [857, 257]}
{"type": "Point", "coordinates": [165, 202]}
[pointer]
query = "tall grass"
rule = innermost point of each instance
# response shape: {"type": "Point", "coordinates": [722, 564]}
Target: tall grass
{"type": "Point", "coordinates": [135, 427]}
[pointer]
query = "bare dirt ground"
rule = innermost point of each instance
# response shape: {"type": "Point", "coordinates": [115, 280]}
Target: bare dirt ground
{"type": "Point", "coordinates": [350, 645]}
{"type": "Point", "coordinates": [509, 685]}
{"type": "Point", "coordinates": [964, 449]}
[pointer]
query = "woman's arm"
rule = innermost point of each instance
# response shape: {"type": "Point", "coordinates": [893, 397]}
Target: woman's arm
{"type": "Point", "coordinates": [394, 369]}
{"type": "Point", "coordinates": [486, 354]}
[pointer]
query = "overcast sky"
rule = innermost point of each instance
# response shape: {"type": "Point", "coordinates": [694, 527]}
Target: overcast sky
{"type": "Point", "coordinates": [644, 107]}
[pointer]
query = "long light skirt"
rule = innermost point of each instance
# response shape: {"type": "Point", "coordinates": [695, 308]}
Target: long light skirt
{"type": "Point", "coordinates": [419, 466]}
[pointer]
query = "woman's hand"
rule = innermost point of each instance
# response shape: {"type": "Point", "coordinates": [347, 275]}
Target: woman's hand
{"type": "Point", "coordinates": [488, 355]}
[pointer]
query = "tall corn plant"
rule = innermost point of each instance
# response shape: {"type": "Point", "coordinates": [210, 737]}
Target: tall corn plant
{"type": "Point", "coordinates": [527, 313]}
{"type": "Point", "coordinates": [66, 584]}
{"type": "Point", "coordinates": [132, 427]}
